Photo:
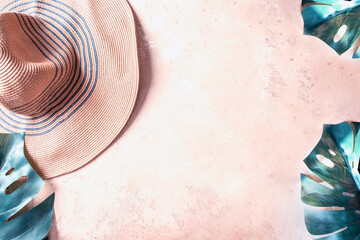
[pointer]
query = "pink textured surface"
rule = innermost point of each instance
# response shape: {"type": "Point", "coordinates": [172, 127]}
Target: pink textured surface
{"type": "Point", "coordinates": [232, 99]}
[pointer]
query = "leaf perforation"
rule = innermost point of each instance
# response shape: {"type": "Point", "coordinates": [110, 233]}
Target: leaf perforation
{"type": "Point", "coordinates": [344, 141]}
{"type": "Point", "coordinates": [35, 223]}
{"type": "Point", "coordinates": [324, 18]}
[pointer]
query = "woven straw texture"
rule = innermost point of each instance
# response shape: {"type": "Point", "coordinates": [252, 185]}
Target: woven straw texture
{"type": "Point", "coordinates": [68, 78]}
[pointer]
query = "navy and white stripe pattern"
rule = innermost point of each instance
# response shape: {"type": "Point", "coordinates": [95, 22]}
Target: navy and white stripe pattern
{"type": "Point", "coordinates": [62, 35]}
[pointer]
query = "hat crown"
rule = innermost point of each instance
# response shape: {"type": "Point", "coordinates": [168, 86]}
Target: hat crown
{"type": "Point", "coordinates": [24, 71]}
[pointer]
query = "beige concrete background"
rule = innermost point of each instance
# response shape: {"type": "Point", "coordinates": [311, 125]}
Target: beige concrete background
{"type": "Point", "coordinates": [232, 99]}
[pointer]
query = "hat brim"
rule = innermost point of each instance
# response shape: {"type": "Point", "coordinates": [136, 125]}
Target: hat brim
{"type": "Point", "coordinates": [99, 118]}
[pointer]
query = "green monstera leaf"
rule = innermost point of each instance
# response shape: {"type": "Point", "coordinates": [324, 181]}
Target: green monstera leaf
{"type": "Point", "coordinates": [34, 224]}
{"type": "Point", "coordinates": [324, 19]}
{"type": "Point", "coordinates": [336, 200]}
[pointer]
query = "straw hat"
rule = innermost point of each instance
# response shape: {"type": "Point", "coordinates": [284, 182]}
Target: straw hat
{"type": "Point", "coordinates": [68, 77]}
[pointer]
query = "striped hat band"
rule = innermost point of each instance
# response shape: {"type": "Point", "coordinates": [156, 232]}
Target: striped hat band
{"type": "Point", "coordinates": [44, 84]}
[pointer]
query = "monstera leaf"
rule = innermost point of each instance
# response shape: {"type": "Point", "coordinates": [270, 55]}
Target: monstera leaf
{"type": "Point", "coordinates": [335, 160]}
{"type": "Point", "coordinates": [34, 224]}
{"type": "Point", "coordinates": [324, 19]}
